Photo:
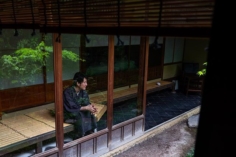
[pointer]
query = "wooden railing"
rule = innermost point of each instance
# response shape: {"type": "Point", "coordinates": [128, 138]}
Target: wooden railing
{"type": "Point", "coordinates": [37, 125]}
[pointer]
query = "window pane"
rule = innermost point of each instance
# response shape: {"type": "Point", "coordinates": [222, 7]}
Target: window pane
{"type": "Point", "coordinates": [96, 68]}
{"type": "Point", "coordinates": [179, 49]}
{"type": "Point", "coordinates": [155, 58]}
{"type": "Point", "coordinates": [126, 75]}
{"type": "Point", "coordinates": [26, 121]}
{"type": "Point", "coordinates": [49, 59]}
{"type": "Point", "coordinates": [20, 62]}
{"type": "Point", "coordinates": [169, 44]}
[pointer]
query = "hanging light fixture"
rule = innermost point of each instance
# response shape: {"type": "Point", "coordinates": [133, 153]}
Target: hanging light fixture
{"type": "Point", "coordinates": [32, 12]}
{"type": "Point", "coordinates": [0, 27]}
{"type": "Point", "coordinates": [85, 21]}
{"type": "Point", "coordinates": [119, 42]}
{"type": "Point", "coordinates": [16, 33]}
{"type": "Point", "coordinates": [155, 44]}
{"type": "Point", "coordinates": [14, 14]}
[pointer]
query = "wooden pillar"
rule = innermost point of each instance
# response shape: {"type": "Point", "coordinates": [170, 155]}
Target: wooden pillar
{"type": "Point", "coordinates": [82, 54]}
{"type": "Point", "coordinates": [163, 57]}
{"type": "Point", "coordinates": [57, 49]}
{"type": "Point", "coordinates": [110, 85]}
{"type": "Point", "coordinates": [143, 70]}
{"type": "Point", "coordinates": [44, 69]}
{"type": "Point", "coordinates": [128, 76]}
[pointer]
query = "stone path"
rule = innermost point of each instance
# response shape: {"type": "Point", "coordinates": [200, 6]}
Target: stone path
{"type": "Point", "coordinates": [174, 142]}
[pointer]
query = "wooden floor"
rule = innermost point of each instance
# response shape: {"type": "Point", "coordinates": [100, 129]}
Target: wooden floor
{"type": "Point", "coordinates": [126, 93]}
{"type": "Point", "coordinates": [22, 130]}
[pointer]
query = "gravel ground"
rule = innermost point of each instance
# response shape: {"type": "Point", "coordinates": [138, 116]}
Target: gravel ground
{"type": "Point", "coordinates": [173, 142]}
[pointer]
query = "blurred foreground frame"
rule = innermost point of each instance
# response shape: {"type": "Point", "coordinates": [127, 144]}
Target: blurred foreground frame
{"type": "Point", "coordinates": [216, 130]}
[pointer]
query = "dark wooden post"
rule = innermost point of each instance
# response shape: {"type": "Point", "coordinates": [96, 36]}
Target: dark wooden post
{"type": "Point", "coordinates": [82, 53]}
{"type": "Point", "coordinates": [110, 85]}
{"type": "Point", "coordinates": [163, 57]}
{"type": "Point", "coordinates": [44, 69]}
{"type": "Point", "coordinates": [128, 76]}
{"type": "Point", "coordinates": [57, 53]}
{"type": "Point", "coordinates": [143, 70]}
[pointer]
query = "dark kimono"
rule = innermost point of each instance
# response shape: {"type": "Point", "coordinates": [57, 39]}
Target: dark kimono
{"type": "Point", "coordinates": [84, 120]}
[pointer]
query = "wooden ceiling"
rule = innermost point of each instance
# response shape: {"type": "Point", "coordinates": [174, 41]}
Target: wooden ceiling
{"type": "Point", "coordinates": [133, 17]}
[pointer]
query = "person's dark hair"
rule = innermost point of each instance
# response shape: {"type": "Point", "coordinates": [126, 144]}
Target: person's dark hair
{"type": "Point", "coordinates": [79, 77]}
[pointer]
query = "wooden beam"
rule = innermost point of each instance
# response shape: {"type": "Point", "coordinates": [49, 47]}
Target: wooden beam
{"type": "Point", "coordinates": [141, 31]}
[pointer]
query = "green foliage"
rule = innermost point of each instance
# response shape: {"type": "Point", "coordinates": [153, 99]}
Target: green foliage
{"type": "Point", "coordinates": [70, 56]}
{"type": "Point", "coordinates": [203, 71]}
{"type": "Point", "coordinates": [190, 153]}
{"type": "Point", "coordinates": [52, 112]}
{"type": "Point", "coordinates": [25, 64]}
{"type": "Point", "coordinates": [31, 43]}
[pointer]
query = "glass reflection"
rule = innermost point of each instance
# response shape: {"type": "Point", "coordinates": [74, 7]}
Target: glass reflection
{"type": "Point", "coordinates": [126, 76]}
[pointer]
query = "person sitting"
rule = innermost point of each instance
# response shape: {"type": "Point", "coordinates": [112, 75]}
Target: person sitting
{"type": "Point", "coordinates": [78, 108]}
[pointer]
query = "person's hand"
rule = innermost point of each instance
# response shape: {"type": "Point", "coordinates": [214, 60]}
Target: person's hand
{"type": "Point", "coordinates": [92, 108]}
